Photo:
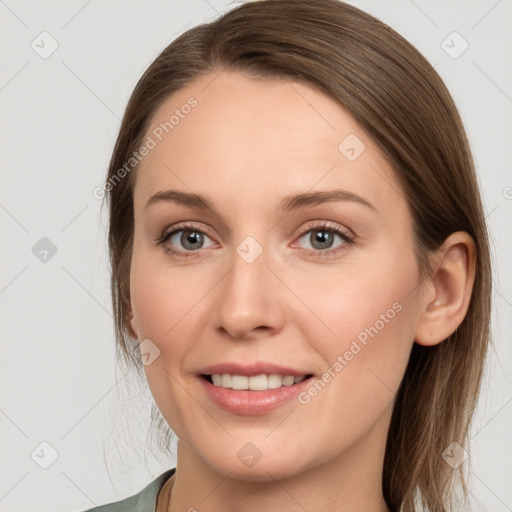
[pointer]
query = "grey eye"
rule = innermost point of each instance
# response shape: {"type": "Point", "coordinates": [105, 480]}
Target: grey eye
{"type": "Point", "coordinates": [321, 239]}
{"type": "Point", "coordinates": [190, 239]}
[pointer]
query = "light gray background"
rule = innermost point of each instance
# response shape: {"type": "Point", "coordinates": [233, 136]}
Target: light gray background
{"type": "Point", "coordinates": [59, 119]}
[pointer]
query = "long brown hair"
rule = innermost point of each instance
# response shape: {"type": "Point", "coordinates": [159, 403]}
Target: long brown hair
{"type": "Point", "coordinates": [404, 106]}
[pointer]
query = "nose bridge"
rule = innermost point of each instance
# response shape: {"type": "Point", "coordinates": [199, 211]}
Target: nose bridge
{"type": "Point", "coordinates": [248, 297]}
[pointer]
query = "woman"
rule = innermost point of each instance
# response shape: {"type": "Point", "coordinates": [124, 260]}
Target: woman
{"type": "Point", "coordinates": [298, 244]}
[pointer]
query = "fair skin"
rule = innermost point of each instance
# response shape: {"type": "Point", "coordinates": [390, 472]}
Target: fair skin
{"type": "Point", "coordinates": [245, 146]}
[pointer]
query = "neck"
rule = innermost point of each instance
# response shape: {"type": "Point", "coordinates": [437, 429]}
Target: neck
{"type": "Point", "coordinates": [350, 481]}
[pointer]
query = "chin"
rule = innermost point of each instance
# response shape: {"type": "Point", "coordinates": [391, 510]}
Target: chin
{"type": "Point", "coordinates": [252, 465]}
{"type": "Point", "coordinates": [258, 473]}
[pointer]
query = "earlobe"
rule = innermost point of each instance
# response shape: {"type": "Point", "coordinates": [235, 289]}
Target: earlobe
{"type": "Point", "coordinates": [451, 286]}
{"type": "Point", "coordinates": [132, 325]}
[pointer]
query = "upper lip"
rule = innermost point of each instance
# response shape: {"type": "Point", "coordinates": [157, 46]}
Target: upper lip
{"type": "Point", "coordinates": [249, 370]}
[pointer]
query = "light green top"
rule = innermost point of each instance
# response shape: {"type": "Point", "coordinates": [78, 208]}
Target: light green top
{"type": "Point", "coordinates": [143, 501]}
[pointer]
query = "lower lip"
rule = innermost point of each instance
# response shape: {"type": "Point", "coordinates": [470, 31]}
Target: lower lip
{"type": "Point", "coordinates": [250, 402]}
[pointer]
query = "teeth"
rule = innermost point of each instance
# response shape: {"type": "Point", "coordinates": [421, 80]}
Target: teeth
{"type": "Point", "coordinates": [239, 382]}
{"type": "Point", "coordinates": [288, 380]}
{"type": "Point", "coordinates": [274, 381]}
{"type": "Point", "coordinates": [255, 383]}
{"type": "Point", "coordinates": [225, 380]}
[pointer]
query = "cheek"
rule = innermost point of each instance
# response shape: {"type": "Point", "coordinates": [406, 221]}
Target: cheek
{"type": "Point", "coordinates": [165, 305]}
{"type": "Point", "coordinates": [370, 314]}
{"type": "Point", "coordinates": [366, 319]}
{"type": "Point", "coordinates": [365, 356]}
{"type": "Point", "coordinates": [161, 296]}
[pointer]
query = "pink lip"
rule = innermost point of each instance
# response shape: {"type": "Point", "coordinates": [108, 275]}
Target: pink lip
{"type": "Point", "coordinates": [249, 402]}
{"type": "Point", "coordinates": [250, 370]}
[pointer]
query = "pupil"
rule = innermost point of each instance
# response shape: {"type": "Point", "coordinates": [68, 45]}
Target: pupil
{"type": "Point", "coordinates": [324, 238]}
{"type": "Point", "coordinates": [190, 238]}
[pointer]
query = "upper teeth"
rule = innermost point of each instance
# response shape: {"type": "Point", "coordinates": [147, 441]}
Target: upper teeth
{"type": "Point", "coordinates": [256, 383]}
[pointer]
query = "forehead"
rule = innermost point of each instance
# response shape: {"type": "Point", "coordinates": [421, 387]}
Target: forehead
{"type": "Point", "coordinates": [232, 137]}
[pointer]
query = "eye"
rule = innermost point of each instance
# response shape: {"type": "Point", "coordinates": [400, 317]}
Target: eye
{"type": "Point", "coordinates": [187, 236]}
{"type": "Point", "coordinates": [322, 238]}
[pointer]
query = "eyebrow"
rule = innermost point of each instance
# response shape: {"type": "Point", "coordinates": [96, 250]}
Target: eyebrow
{"type": "Point", "coordinates": [288, 203]}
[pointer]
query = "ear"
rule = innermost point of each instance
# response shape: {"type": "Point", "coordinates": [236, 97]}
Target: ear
{"type": "Point", "coordinates": [448, 292]}
{"type": "Point", "coordinates": [132, 325]}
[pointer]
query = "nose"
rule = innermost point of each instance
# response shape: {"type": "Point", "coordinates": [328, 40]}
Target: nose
{"type": "Point", "coordinates": [250, 301]}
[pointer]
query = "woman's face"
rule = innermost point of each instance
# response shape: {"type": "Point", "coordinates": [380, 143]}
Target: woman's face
{"type": "Point", "coordinates": [262, 278]}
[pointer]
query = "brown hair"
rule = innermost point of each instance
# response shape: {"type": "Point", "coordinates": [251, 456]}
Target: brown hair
{"type": "Point", "coordinates": [404, 106]}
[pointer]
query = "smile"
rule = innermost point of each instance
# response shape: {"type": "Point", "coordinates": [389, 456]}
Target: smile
{"type": "Point", "coordinates": [252, 395]}
{"type": "Point", "coordinates": [255, 383]}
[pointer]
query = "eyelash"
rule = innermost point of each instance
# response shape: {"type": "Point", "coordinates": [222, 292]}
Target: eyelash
{"type": "Point", "coordinates": [344, 235]}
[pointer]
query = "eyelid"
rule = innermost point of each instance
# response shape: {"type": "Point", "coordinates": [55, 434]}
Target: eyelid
{"type": "Point", "coordinates": [184, 226]}
{"type": "Point", "coordinates": [327, 225]}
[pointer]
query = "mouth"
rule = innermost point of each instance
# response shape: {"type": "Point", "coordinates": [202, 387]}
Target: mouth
{"type": "Point", "coordinates": [262, 382]}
